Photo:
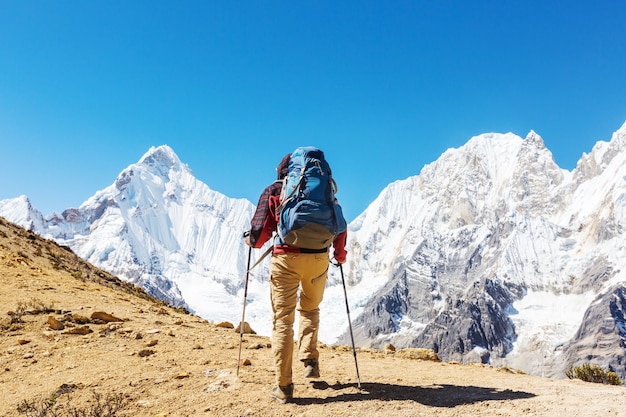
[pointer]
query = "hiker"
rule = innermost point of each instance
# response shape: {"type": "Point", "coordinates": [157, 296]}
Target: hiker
{"type": "Point", "coordinates": [293, 268]}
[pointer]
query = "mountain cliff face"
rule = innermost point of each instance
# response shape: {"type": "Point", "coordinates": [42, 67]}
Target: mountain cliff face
{"type": "Point", "coordinates": [491, 254]}
{"type": "Point", "coordinates": [495, 254]}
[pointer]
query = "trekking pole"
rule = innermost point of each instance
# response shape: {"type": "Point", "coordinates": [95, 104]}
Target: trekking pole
{"type": "Point", "coordinates": [243, 313]}
{"type": "Point", "coordinates": [356, 364]}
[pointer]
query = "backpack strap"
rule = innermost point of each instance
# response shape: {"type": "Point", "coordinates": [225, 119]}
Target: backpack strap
{"type": "Point", "coordinates": [284, 199]}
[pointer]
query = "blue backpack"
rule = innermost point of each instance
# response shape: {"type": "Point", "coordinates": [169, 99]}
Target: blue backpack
{"type": "Point", "coordinates": [309, 215]}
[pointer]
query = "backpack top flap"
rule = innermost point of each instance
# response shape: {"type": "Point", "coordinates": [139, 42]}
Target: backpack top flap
{"type": "Point", "coordinates": [308, 202]}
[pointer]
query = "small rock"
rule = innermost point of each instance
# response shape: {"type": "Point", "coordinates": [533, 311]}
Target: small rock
{"type": "Point", "coordinates": [418, 353]}
{"type": "Point", "coordinates": [104, 317]}
{"type": "Point", "coordinates": [49, 335]}
{"type": "Point", "coordinates": [342, 348]}
{"type": "Point", "coordinates": [224, 381]}
{"type": "Point", "coordinates": [245, 362]}
{"type": "Point", "coordinates": [225, 325]}
{"type": "Point", "coordinates": [246, 328]}
{"type": "Point", "coordinates": [80, 319]}
{"type": "Point", "coordinates": [55, 324]}
{"type": "Point", "coordinates": [182, 376]}
{"type": "Point", "coordinates": [153, 342]}
{"type": "Point", "coordinates": [23, 341]}
{"type": "Point", "coordinates": [79, 330]}
{"type": "Point", "coordinates": [64, 389]}
{"type": "Point", "coordinates": [146, 352]}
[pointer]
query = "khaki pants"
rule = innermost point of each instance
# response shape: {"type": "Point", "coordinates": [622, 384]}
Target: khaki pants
{"type": "Point", "coordinates": [288, 272]}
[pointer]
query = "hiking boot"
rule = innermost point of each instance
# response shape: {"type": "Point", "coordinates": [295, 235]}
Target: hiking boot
{"type": "Point", "coordinates": [282, 395]}
{"type": "Point", "coordinates": [311, 368]}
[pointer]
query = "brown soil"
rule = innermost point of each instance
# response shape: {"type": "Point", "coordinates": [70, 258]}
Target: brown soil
{"type": "Point", "coordinates": [163, 362]}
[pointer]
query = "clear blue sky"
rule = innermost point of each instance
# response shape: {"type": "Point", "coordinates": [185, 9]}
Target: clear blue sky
{"type": "Point", "coordinates": [383, 87]}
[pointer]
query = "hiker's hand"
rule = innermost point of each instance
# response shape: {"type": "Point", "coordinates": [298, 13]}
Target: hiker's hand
{"type": "Point", "coordinates": [246, 238]}
{"type": "Point", "coordinates": [339, 253]}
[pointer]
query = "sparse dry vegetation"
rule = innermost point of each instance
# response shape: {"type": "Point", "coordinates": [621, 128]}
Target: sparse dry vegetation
{"type": "Point", "coordinates": [100, 405]}
{"type": "Point", "coordinates": [15, 321]}
{"type": "Point", "coordinates": [593, 373]}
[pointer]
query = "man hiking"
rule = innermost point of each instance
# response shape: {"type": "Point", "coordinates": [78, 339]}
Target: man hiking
{"type": "Point", "coordinates": [300, 257]}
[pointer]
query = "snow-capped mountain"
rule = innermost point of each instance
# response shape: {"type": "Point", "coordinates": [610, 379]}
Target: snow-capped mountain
{"type": "Point", "coordinates": [159, 227]}
{"type": "Point", "coordinates": [491, 254]}
{"type": "Point", "coordinates": [495, 254]}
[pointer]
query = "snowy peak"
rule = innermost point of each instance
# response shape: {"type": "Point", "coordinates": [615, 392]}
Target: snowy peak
{"type": "Point", "coordinates": [161, 162]}
{"type": "Point", "coordinates": [599, 190]}
{"type": "Point", "coordinates": [486, 157]}
{"type": "Point", "coordinates": [161, 158]}
{"type": "Point", "coordinates": [535, 140]}
{"type": "Point", "coordinates": [492, 175]}
{"type": "Point", "coordinates": [19, 210]}
{"type": "Point", "coordinates": [537, 178]}
{"type": "Point", "coordinates": [601, 156]}
{"type": "Point", "coordinates": [158, 174]}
